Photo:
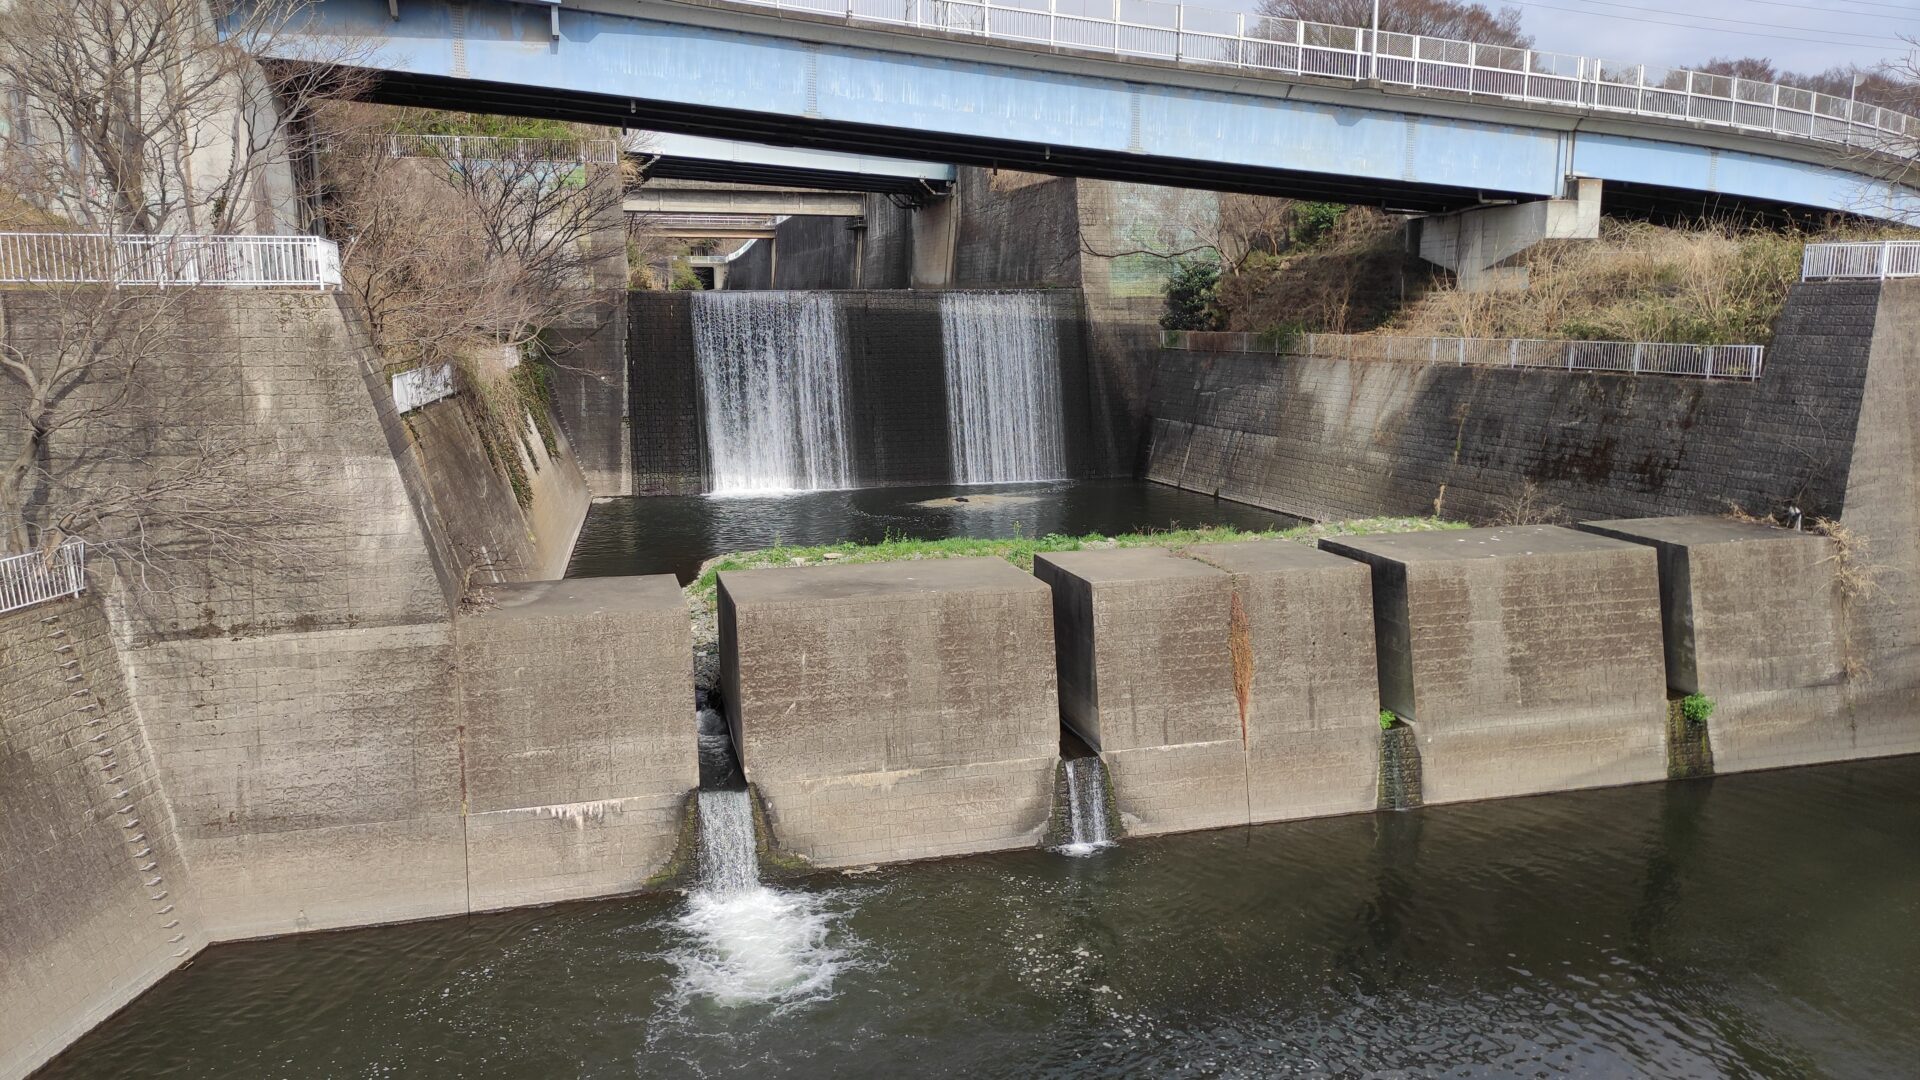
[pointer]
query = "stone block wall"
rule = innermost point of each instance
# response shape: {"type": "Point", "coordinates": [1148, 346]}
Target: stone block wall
{"type": "Point", "coordinates": [1526, 659]}
{"type": "Point", "coordinates": [895, 710]}
{"type": "Point", "coordinates": [1754, 620]}
{"type": "Point", "coordinates": [668, 432]}
{"type": "Point", "coordinates": [577, 737]}
{"type": "Point", "coordinates": [1331, 439]}
{"type": "Point", "coordinates": [96, 903]}
{"type": "Point", "coordinates": [590, 392]}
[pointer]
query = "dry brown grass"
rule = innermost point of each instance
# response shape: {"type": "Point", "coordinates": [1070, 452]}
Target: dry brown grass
{"type": "Point", "coordinates": [1705, 284]}
{"type": "Point", "coordinates": [1350, 280]}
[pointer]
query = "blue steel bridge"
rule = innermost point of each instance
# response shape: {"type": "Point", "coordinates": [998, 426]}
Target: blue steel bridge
{"type": "Point", "coordinates": [1150, 93]}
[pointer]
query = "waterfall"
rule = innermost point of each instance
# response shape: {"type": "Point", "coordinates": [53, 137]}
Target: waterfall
{"type": "Point", "coordinates": [774, 395]}
{"type": "Point", "coordinates": [1003, 387]}
{"type": "Point", "coordinates": [1086, 806]}
{"type": "Point", "coordinates": [744, 942]}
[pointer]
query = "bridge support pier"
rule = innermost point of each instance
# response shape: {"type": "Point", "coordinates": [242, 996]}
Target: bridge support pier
{"type": "Point", "coordinates": [1477, 244]}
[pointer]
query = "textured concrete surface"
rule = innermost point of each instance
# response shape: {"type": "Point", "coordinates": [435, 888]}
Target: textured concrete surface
{"type": "Point", "coordinates": [1222, 684]}
{"type": "Point", "coordinates": [577, 707]}
{"type": "Point", "coordinates": [1754, 620]}
{"type": "Point", "coordinates": [1311, 683]}
{"type": "Point", "coordinates": [1147, 678]}
{"type": "Point", "coordinates": [95, 901]}
{"type": "Point", "coordinates": [893, 710]}
{"type": "Point", "coordinates": [1527, 659]}
{"type": "Point", "coordinates": [1335, 439]}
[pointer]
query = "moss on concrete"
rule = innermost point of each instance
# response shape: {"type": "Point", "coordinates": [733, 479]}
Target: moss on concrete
{"type": "Point", "coordinates": [684, 865]}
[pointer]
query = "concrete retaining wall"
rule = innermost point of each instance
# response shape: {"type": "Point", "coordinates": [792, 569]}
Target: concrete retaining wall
{"type": "Point", "coordinates": [577, 740]}
{"type": "Point", "coordinates": [1526, 659]}
{"type": "Point", "coordinates": [893, 711]}
{"type": "Point", "coordinates": [1334, 439]}
{"type": "Point", "coordinates": [96, 903]}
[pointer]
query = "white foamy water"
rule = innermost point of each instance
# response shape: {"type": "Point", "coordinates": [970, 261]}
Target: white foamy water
{"type": "Point", "coordinates": [749, 944]}
{"type": "Point", "coordinates": [772, 387]}
{"type": "Point", "coordinates": [1003, 387]}
{"type": "Point", "coordinates": [1087, 807]}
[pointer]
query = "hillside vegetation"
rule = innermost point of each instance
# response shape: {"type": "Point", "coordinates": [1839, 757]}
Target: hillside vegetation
{"type": "Point", "coordinates": [1707, 283]}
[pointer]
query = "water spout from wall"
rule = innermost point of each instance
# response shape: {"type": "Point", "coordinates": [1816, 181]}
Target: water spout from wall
{"type": "Point", "coordinates": [1003, 387]}
{"type": "Point", "coordinates": [1088, 831]}
{"type": "Point", "coordinates": [773, 391]}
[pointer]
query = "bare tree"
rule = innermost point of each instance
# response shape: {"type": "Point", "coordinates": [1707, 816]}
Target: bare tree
{"type": "Point", "coordinates": [156, 116]}
{"type": "Point", "coordinates": [1433, 18]}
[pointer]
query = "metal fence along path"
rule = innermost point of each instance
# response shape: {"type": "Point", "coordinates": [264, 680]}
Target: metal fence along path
{"type": "Point", "coordinates": [1622, 357]}
{"type": "Point", "coordinates": [1878, 259]}
{"type": "Point", "coordinates": [37, 577]}
{"type": "Point", "coordinates": [1185, 34]}
{"type": "Point", "coordinates": [44, 258]}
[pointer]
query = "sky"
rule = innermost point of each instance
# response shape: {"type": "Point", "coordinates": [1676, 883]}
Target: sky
{"type": "Point", "coordinates": [1798, 35]}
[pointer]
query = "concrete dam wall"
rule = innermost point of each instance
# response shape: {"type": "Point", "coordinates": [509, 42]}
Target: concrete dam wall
{"type": "Point", "coordinates": [741, 392]}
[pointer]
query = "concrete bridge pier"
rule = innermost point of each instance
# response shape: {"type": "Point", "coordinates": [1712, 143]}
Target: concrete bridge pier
{"type": "Point", "coordinates": [1476, 244]}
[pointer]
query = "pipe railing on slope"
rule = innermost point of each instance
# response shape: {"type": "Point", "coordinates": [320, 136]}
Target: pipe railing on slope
{"type": "Point", "coordinates": [44, 258]}
{"type": "Point", "coordinates": [1212, 37]}
{"type": "Point", "coordinates": [37, 577]}
{"type": "Point", "coordinates": [1621, 357]}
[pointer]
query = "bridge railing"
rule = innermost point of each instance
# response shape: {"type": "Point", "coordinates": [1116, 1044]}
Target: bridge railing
{"type": "Point", "coordinates": [40, 258]}
{"type": "Point", "coordinates": [1186, 34]}
{"type": "Point", "coordinates": [1622, 357]}
{"type": "Point", "coordinates": [505, 148]}
{"type": "Point", "coordinates": [37, 577]}
{"type": "Point", "coordinates": [1877, 259]}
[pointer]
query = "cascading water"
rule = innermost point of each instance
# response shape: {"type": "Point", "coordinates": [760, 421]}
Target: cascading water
{"type": "Point", "coordinates": [774, 396]}
{"type": "Point", "coordinates": [1003, 387]}
{"type": "Point", "coordinates": [749, 944]}
{"type": "Point", "coordinates": [1086, 807]}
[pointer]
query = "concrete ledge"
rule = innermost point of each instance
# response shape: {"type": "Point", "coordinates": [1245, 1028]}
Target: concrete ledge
{"type": "Point", "coordinates": [579, 738]}
{"type": "Point", "coordinates": [1527, 659]}
{"type": "Point", "coordinates": [1753, 620]}
{"type": "Point", "coordinates": [893, 710]}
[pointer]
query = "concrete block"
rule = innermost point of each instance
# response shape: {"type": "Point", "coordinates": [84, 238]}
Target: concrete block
{"type": "Point", "coordinates": [1753, 620]}
{"type": "Point", "coordinates": [1527, 659]}
{"type": "Point", "coordinates": [893, 711]}
{"type": "Point", "coordinates": [579, 737]}
{"type": "Point", "coordinates": [1147, 679]}
{"type": "Point", "coordinates": [1313, 692]}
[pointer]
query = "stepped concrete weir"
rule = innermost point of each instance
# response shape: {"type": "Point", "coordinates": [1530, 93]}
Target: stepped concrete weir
{"type": "Point", "coordinates": [894, 710]}
{"type": "Point", "coordinates": [1755, 620]}
{"type": "Point", "coordinates": [1526, 659]}
{"type": "Point", "coordinates": [1223, 684]}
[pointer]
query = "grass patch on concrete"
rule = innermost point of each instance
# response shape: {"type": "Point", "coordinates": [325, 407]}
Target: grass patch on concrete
{"type": "Point", "coordinates": [1020, 550]}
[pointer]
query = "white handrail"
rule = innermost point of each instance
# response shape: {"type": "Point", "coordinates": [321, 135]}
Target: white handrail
{"type": "Point", "coordinates": [37, 577]}
{"type": "Point", "coordinates": [44, 258]}
{"type": "Point", "coordinates": [1211, 37]}
{"type": "Point", "coordinates": [1874, 259]}
{"type": "Point", "coordinates": [1622, 357]}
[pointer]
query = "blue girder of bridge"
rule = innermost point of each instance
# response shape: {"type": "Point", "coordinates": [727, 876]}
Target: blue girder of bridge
{"type": "Point", "coordinates": [722, 70]}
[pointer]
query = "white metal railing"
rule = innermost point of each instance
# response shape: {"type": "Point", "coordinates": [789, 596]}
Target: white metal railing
{"type": "Point", "coordinates": [1624, 357]}
{"type": "Point", "coordinates": [505, 148]}
{"type": "Point", "coordinates": [1186, 34]}
{"type": "Point", "coordinates": [422, 386]}
{"type": "Point", "coordinates": [715, 221]}
{"type": "Point", "coordinates": [37, 577]}
{"type": "Point", "coordinates": [1871, 259]}
{"type": "Point", "coordinates": [39, 258]}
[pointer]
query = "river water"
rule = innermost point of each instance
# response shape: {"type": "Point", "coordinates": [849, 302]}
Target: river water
{"type": "Point", "coordinates": [1759, 925]}
{"type": "Point", "coordinates": [676, 534]}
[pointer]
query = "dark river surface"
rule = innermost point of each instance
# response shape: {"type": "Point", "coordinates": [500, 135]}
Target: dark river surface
{"type": "Point", "coordinates": [1765, 925]}
{"type": "Point", "coordinates": [676, 534]}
